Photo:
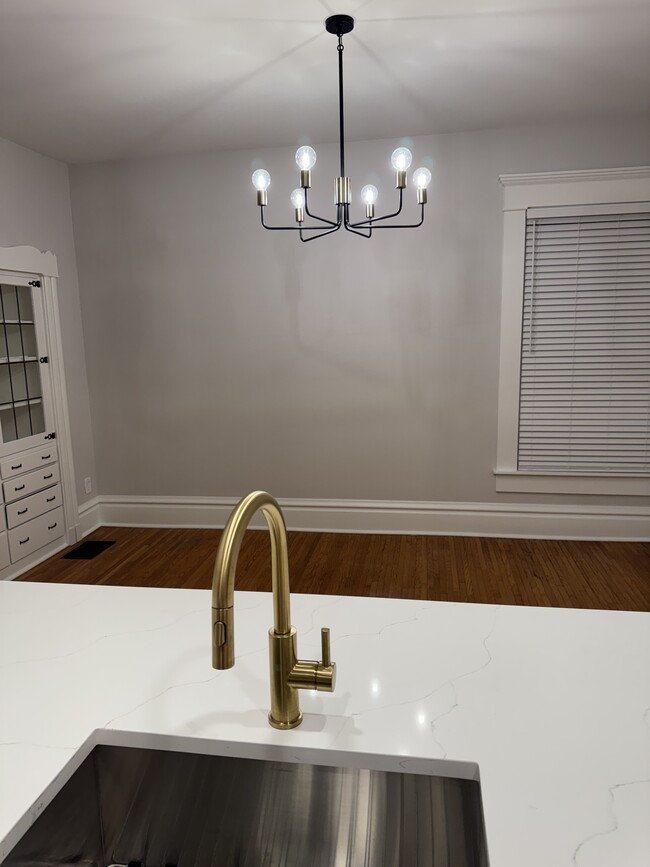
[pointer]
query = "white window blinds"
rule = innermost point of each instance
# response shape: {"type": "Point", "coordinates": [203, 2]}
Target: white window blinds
{"type": "Point", "coordinates": [585, 362]}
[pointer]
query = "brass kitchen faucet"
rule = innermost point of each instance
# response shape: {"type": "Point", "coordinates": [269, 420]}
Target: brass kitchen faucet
{"type": "Point", "coordinates": [288, 673]}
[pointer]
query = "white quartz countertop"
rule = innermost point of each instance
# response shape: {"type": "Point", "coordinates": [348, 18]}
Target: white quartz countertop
{"type": "Point", "coordinates": [549, 707]}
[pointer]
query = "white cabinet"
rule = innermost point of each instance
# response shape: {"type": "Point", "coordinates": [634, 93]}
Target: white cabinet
{"type": "Point", "coordinates": [38, 502]}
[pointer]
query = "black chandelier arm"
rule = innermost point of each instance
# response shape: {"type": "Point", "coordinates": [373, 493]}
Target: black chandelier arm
{"type": "Point", "coordinates": [316, 217]}
{"type": "Point", "coordinates": [357, 232]}
{"type": "Point", "coordinates": [403, 225]}
{"type": "Point", "coordinates": [350, 227]}
{"type": "Point", "coordinates": [290, 228]}
{"type": "Point", "coordinates": [321, 234]}
{"type": "Point", "coordinates": [365, 223]}
{"type": "Point", "coordinates": [277, 228]}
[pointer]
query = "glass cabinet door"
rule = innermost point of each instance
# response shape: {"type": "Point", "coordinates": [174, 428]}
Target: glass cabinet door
{"type": "Point", "coordinates": [25, 406]}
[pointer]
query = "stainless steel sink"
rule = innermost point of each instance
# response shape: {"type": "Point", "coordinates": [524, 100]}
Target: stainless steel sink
{"type": "Point", "coordinates": [125, 805]}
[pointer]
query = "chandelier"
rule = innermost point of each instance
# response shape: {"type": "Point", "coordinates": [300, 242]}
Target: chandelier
{"type": "Point", "coordinates": [318, 227]}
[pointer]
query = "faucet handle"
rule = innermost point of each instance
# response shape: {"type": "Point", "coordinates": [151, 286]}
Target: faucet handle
{"type": "Point", "coordinates": [325, 646]}
{"type": "Point", "coordinates": [310, 674]}
{"type": "Point", "coordinates": [326, 669]}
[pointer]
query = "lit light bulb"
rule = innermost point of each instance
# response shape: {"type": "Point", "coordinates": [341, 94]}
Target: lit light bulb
{"type": "Point", "coordinates": [401, 159]}
{"type": "Point", "coordinates": [306, 158]}
{"type": "Point", "coordinates": [298, 199]}
{"type": "Point", "coordinates": [261, 180]}
{"type": "Point", "coordinates": [422, 178]}
{"type": "Point", "coordinates": [369, 194]}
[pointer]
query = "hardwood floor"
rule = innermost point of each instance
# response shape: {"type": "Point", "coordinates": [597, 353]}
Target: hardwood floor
{"type": "Point", "coordinates": [607, 575]}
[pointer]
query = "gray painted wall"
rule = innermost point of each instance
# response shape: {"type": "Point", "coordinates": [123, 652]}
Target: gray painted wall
{"type": "Point", "coordinates": [35, 210]}
{"type": "Point", "coordinates": [223, 358]}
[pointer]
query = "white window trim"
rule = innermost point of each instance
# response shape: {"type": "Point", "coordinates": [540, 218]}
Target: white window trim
{"type": "Point", "coordinates": [549, 189]}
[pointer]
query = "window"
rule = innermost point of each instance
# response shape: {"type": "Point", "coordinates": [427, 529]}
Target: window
{"type": "Point", "coordinates": [574, 391]}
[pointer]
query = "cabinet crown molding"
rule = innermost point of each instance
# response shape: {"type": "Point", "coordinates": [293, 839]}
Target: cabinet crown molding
{"type": "Point", "coordinates": [29, 260]}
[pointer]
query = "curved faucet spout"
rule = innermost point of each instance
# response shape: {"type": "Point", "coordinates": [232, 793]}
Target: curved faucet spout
{"type": "Point", "coordinates": [225, 567]}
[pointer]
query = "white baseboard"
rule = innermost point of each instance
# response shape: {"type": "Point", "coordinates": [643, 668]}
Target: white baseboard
{"type": "Point", "coordinates": [89, 517]}
{"type": "Point", "coordinates": [516, 520]}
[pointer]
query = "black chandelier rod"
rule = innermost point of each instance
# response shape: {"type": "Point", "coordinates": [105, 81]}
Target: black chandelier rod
{"type": "Point", "coordinates": [341, 116]}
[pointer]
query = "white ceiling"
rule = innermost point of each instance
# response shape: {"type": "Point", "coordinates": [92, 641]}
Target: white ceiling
{"type": "Point", "coordinates": [106, 79]}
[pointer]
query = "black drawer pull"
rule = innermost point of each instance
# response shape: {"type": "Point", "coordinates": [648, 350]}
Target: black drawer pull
{"type": "Point", "coordinates": [51, 526]}
{"type": "Point", "coordinates": [48, 477]}
{"type": "Point", "coordinates": [22, 541]}
{"type": "Point", "coordinates": [48, 500]}
{"type": "Point", "coordinates": [17, 467]}
{"type": "Point", "coordinates": [19, 488]}
{"type": "Point", "coordinates": [22, 511]}
{"type": "Point", "coordinates": [43, 458]}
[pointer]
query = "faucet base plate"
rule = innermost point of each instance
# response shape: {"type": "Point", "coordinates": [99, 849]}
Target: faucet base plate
{"type": "Point", "coordinates": [285, 725]}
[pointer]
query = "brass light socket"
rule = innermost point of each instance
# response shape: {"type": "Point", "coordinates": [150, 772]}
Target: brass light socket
{"type": "Point", "coordinates": [305, 178]}
{"type": "Point", "coordinates": [422, 195]}
{"type": "Point", "coordinates": [342, 194]}
{"type": "Point", "coordinates": [300, 215]}
{"type": "Point", "coordinates": [370, 211]}
{"type": "Point", "coordinates": [262, 198]}
{"type": "Point", "coordinates": [400, 179]}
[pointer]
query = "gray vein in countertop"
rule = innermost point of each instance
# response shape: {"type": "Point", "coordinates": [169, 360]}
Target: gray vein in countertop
{"type": "Point", "coordinates": [614, 817]}
{"type": "Point", "coordinates": [161, 693]}
{"type": "Point", "coordinates": [329, 604]}
{"type": "Point", "coordinates": [410, 619]}
{"type": "Point", "coordinates": [452, 681]}
{"type": "Point", "coordinates": [435, 720]}
{"type": "Point", "coordinates": [346, 722]}
{"type": "Point", "coordinates": [181, 686]}
{"type": "Point", "coordinates": [379, 632]}
{"type": "Point", "coordinates": [98, 640]}
{"type": "Point", "coordinates": [109, 635]}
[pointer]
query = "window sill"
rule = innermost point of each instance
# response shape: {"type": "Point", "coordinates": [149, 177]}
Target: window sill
{"type": "Point", "coordinates": [551, 483]}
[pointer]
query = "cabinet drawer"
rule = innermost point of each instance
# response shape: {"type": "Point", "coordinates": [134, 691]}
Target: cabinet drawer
{"type": "Point", "coordinates": [31, 507]}
{"type": "Point", "coordinates": [4, 551]}
{"type": "Point", "coordinates": [22, 486]}
{"type": "Point", "coordinates": [35, 533]}
{"type": "Point", "coordinates": [23, 463]}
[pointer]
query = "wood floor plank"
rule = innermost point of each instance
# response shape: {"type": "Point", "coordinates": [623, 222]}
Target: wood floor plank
{"type": "Point", "coordinates": [606, 575]}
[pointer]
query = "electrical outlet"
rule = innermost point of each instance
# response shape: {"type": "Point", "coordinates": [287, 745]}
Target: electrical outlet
{"type": "Point", "coordinates": [88, 485]}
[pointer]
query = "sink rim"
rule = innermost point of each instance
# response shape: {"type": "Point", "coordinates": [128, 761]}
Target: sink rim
{"type": "Point", "coordinates": [271, 750]}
